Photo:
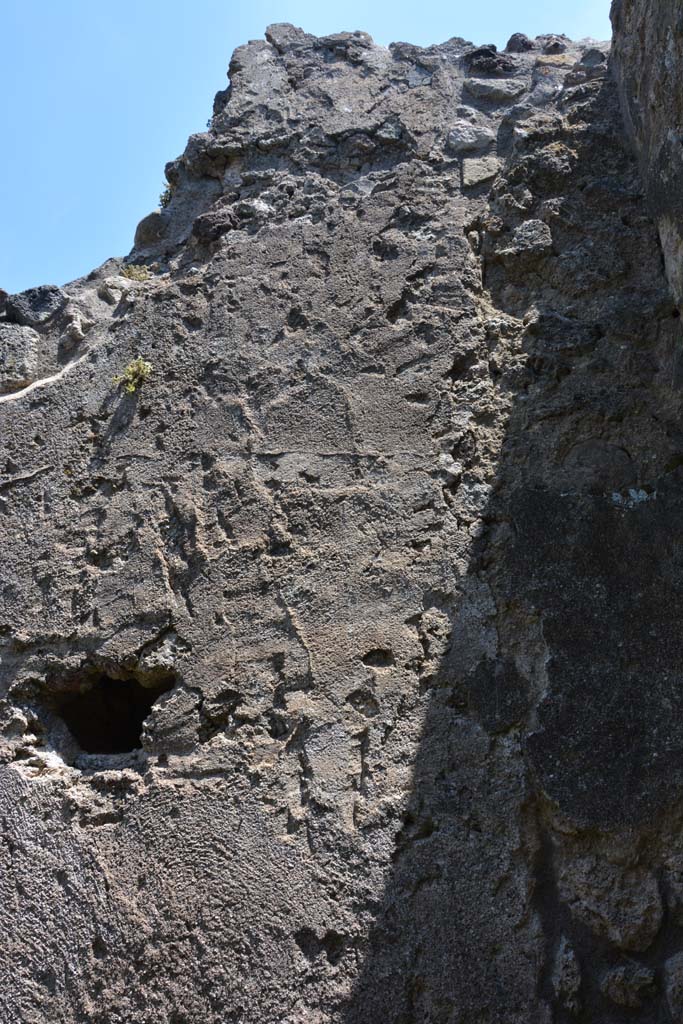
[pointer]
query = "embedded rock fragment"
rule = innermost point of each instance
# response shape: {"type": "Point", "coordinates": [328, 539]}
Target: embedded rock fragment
{"type": "Point", "coordinates": [673, 983]}
{"type": "Point", "coordinates": [487, 60]}
{"type": "Point", "coordinates": [518, 43]}
{"type": "Point", "coordinates": [465, 136]}
{"type": "Point", "coordinates": [36, 306]}
{"type": "Point", "coordinates": [474, 172]}
{"type": "Point", "coordinates": [553, 43]}
{"type": "Point", "coordinates": [629, 985]}
{"type": "Point", "coordinates": [498, 90]}
{"type": "Point", "coordinates": [19, 350]}
{"type": "Point", "coordinates": [619, 902]}
{"type": "Point", "coordinates": [532, 238]}
{"type": "Point", "coordinates": [566, 977]}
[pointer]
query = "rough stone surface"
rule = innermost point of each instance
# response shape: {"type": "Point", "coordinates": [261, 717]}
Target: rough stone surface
{"type": "Point", "coordinates": [18, 356]}
{"type": "Point", "coordinates": [630, 985]}
{"type": "Point", "coordinates": [648, 59]}
{"type": "Point", "coordinates": [474, 172]}
{"type": "Point", "coordinates": [386, 550]}
{"type": "Point", "coordinates": [519, 43]}
{"type": "Point", "coordinates": [673, 982]}
{"type": "Point", "coordinates": [468, 135]}
{"type": "Point", "coordinates": [35, 306]}
{"type": "Point", "coordinates": [500, 90]}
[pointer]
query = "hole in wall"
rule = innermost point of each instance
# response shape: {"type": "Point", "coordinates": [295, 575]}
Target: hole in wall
{"type": "Point", "coordinates": [106, 715]}
{"type": "Point", "coordinates": [379, 657]}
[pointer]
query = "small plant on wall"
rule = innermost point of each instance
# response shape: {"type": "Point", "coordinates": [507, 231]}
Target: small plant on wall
{"type": "Point", "coordinates": [135, 272]}
{"type": "Point", "coordinates": [134, 375]}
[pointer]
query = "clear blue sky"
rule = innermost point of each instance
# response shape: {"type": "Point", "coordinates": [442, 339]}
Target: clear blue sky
{"type": "Point", "coordinates": [96, 97]}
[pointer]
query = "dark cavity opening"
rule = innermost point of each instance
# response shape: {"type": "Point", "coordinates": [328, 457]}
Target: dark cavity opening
{"type": "Point", "coordinates": [107, 717]}
{"type": "Point", "coordinates": [379, 658]}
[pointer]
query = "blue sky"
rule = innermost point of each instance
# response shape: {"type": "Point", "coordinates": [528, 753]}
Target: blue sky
{"type": "Point", "coordinates": [95, 98]}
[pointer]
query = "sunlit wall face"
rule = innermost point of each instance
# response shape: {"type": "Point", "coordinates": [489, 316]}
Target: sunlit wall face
{"type": "Point", "coordinates": [98, 98]}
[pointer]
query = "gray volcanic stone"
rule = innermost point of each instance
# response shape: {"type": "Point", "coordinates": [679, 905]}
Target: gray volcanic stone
{"type": "Point", "coordinates": [36, 306]}
{"type": "Point", "coordinates": [519, 43]}
{"type": "Point", "coordinates": [499, 90]}
{"type": "Point", "coordinates": [629, 985]}
{"type": "Point", "coordinates": [465, 136]}
{"type": "Point", "coordinates": [476, 171]}
{"type": "Point", "coordinates": [566, 978]}
{"type": "Point", "coordinates": [150, 229]}
{"type": "Point", "coordinates": [487, 60]}
{"type": "Point", "coordinates": [648, 63]}
{"type": "Point", "coordinates": [19, 349]}
{"type": "Point", "coordinates": [673, 981]}
{"type": "Point", "coordinates": [593, 58]}
{"type": "Point", "coordinates": [341, 589]}
{"type": "Point", "coordinates": [553, 43]}
{"type": "Point", "coordinates": [531, 238]}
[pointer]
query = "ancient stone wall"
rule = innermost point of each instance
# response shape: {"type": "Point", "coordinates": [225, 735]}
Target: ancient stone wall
{"type": "Point", "coordinates": [340, 645]}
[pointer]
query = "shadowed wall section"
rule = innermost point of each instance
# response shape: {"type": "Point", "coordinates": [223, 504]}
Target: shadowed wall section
{"type": "Point", "coordinates": [546, 802]}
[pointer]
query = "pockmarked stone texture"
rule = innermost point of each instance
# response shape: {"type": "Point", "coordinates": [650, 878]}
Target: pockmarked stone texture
{"type": "Point", "coordinates": [340, 660]}
{"type": "Point", "coordinates": [648, 60]}
{"type": "Point", "coordinates": [18, 355]}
